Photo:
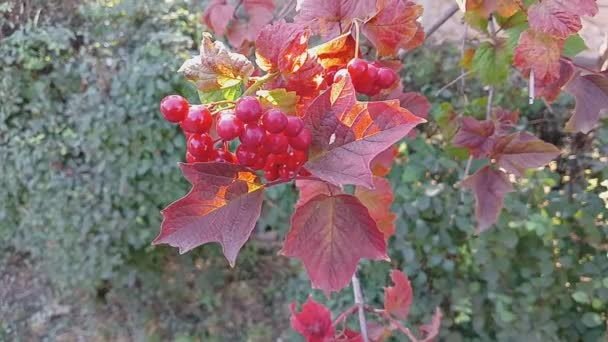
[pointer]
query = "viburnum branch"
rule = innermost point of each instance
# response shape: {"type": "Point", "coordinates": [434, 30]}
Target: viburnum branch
{"type": "Point", "coordinates": [344, 315]}
{"type": "Point", "coordinates": [357, 36]}
{"type": "Point", "coordinates": [442, 20]}
{"type": "Point", "coordinates": [531, 88]}
{"type": "Point", "coordinates": [405, 330]}
{"type": "Point", "coordinates": [283, 181]}
{"type": "Point", "coordinates": [361, 306]}
{"type": "Point", "coordinates": [461, 77]}
{"type": "Point", "coordinates": [260, 82]}
{"type": "Point", "coordinates": [229, 106]}
{"type": "Point", "coordinates": [490, 103]}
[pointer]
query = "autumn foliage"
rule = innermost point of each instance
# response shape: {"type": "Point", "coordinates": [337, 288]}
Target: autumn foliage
{"type": "Point", "coordinates": [343, 214]}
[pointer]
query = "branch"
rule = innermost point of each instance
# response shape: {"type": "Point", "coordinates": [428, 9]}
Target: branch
{"type": "Point", "coordinates": [343, 316]}
{"type": "Point", "coordinates": [360, 306]}
{"type": "Point", "coordinates": [442, 20]}
{"type": "Point", "coordinates": [260, 82]}
{"type": "Point", "coordinates": [405, 330]}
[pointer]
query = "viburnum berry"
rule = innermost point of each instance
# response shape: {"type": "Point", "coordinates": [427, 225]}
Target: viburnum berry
{"type": "Point", "coordinates": [248, 109]}
{"type": "Point", "coordinates": [386, 77]}
{"type": "Point", "coordinates": [190, 158]}
{"type": "Point", "coordinates": [245, 156]}
{"type": "Point", "coordinates": [357, 67]}
{"type": "Point", "coordinates": [200, 146]}
{"type": "Point", "coordinates": [286, 173]}
{"type": "Point", "coordinates": [276, 143]}
{"type": "Point", "coordinates": [271, 174]}
{"type": "Point", "coordinates": [296, 159]}
{"type": "Point", "coordinates": [294, 126]}
{"type": "Point", "coordinates": [253, 135]}
{"type": "Point", "coordinates": [228, 126]}
{"type": "Point", "coordinates": [174, 108]}
{"type": "Point", "coordinates": [274, 121]}
{"type": "Point", "coordinates": [198, 120]}
{"type": "Point", "coordinates": [302, 141]}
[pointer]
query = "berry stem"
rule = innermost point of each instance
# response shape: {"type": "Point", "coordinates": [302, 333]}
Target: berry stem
{"type": "Point", "coordinates": [357, 32]}
{"type": "Point", "coordinates": [230, 106]}
{"type": "Point", "coordinates": [282, 181]}
{"type": "Point", "coordinates": [212, 105]}
{"type": "Point", "coordinates": [260, 82]}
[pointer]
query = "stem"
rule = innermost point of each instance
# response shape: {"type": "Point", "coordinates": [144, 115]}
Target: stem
{"type": "Point", "coordinates": [283, 181]}
{"type": "Point", "coordinates": [260, 82]}
{"type": "Point", "coordinates": [357, 32]}
{"type": "Point", "coordinates": [343, 316]}
{"type": "Point", "coordinates": [442, 20]}
{"type": "Point", "coordinates": [406, 331]}
{"type": "Point", "coordinates": [531, 88]}
{"type": "Point", "coordinates": [490, 103]}
{"type": "Point", "coordinates": [461, 77]}
{"type": "Point", "coordinates": [361, 306]}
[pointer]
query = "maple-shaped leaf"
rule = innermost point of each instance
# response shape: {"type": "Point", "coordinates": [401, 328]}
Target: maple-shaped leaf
{"type": "Point", "coordinates": [378, 201]}
{"type": "Point", "coordinates": [348, 134]}
{"type": "Point", "coordinates": [541, 53]}
{"type": "Point", "coordinates": [282, 47]}
{"type": "Point", "coordinates": [580, 7]}
{"type": "Point", "coordinates": [520, 151]}
{"type": "Point", "coordinates": [490, 186]}
{"type": "Point", "coordinates": [330, 234]}
{"type": "Point", "coordinates": [337, 52]}
{"type": "Point", "coordinates": [398, 298]}
{"type": "Point", "coordinates": [243, 30]}
{"type": "Point", "coordinates": [307, 79]}
{"type": "Point", "coordinates": [313, 321]}
{"type": "Point", "coordinates": [383, 162]}
{"type": "Point", "coordinates": [476, 136]}
{"type": "Point", "coordinates": [550, 91]}
{"type": "Point", "coordinates": [393, 26]}
{"type": "Point", "coordinates": [416, 103]}
{"type": "Point", "coordinates": [216, 67]}
{"type": "Point", "coordinates": [552, 18]}
{"type": "Point", "coordinates": [591, 94]}
{"type": "Point", "coordinates": [217, 15]}
{"type": "Point", "coordinates": [332, 18]}
{"type": "Point", "coordinates": [311, 188]}
{"type": "Point", "coordinates": [223, 206]}
{"type": "Point", "coordinates": [431, 329]}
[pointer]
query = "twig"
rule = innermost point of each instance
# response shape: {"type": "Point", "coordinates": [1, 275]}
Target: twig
{"type": "Point", "coordinates": [260, 82]}
{"type": "Point", "coordinates": [361, 306]}
{"type": "Point", "coordinates": [490, 103]}
{"type": "Point", "coordinates": [343, 316]}
{"type": "Point", "coordinates": [406, 331]}
{"type": "Point", "coordinates": [462, 76]}
{"type": "Point", "coordinates": [442, 20]}
{"type": "Point", "coordinates": [463, 50]}
{"type": "Point", "coordinates": [531, 89]}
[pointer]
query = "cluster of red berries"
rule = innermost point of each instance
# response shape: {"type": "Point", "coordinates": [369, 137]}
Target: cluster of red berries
{"type": "Point", "coordinates": [270, 141]}
{"type": "Point", "coordinates": [368, 78]}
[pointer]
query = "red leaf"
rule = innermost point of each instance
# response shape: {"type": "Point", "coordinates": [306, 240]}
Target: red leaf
{"type": "Point", "coordinates": [378, 201]}
{"type": "Point", "coordinates": [217, 15]}
{"type": "Point", "coordinates": [591, 94]}
{"type": "Point", "coordinates": [398, 298]}
{"type": "Point", "coordinates": [307, 79]}
{"type": "Point", "coordinates": [394, 26]}
{"type": "Point", "coordinates": [520, 151]}
{"type": "Point", "coordinates": [282, 47]}
{"type": "Point", "coordinates": [476, 136]}
{"type": "Point", "coordinates": [580, 7]}
{"type": "Point", "coordinates": [539, 52]}
{"type": "Point", "coordinates": [311, 188]}
{"type": "Point", "coordinates": [313, 322]}
{"type": "Point", "coordinates": [330, 234]}
{"type": "Point", "coordinates": [505, 8]}
{"type": "Point", "coordinates": [551, 91]}
{"type": "Point", "coordinates": [223, 206]}
{"type": "Point", "coordinates": [490, 187]}
{"type": "Point", "coordinates": [415, 103]}
{"type": "Point", "coordinates": [552, 18]}
{"type": "Point", "coordinates": [382, 164]}
{"type": "Point", "coordinates": [337, 52]}
{"type": "Point", "coordinates": [334, 17]}
{"type": "Point", "coordinates": [505, 120]}
{"type": "Point", "coordinates": [431, 330]}
{"type": "Point", "coordinates": [348, 135]}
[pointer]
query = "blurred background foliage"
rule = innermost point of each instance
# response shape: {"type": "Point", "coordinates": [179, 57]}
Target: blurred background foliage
{"type": "Point", "coordinates": [86, 164]}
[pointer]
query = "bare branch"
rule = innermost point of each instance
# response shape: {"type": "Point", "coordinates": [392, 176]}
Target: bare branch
{"type": "Point", "coordinates": [361, 306]}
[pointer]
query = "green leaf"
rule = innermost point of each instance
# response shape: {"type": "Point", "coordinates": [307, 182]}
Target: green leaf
{"type": "Point", "coordinates": [581, 297]}
{"type": "Point", "coordinates": [574, 45]}
{"type": "Point", "coordinates": [591, 319]}
{"type": "Point", "coordinates": [492, 63]}
{"type": "Point", "coordinates": [230, 93]}
{"type": "Point", "coordinates": [280, 98]}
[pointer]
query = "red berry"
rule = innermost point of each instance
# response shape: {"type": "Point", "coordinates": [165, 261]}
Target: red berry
{"type": "Point", "coordinates": [357, 67]}
{"type": "Point", "coordinates": [302, 141]}
{"type": "Point", "coordinates": [286, 173]}
{"type": "Point", "coordinates": [253, 135]}
{"type": "Point", "coordinates": [294, 126]}
{"type": "Point", "coordinates": [386, 77]}
{"type": "Point", "coordinates": [198, 120]}
{"type": "Point", "coordinates": [274, 121]}
{"type": "Point", "coordinates": [200, 146]}
{"type": "Point", "coordinates": [224, 156]}
{"type": "Point", "coordinates": [245, 156]}
{"type": "Point", "coordinates": [228, 126]}
{"type": "Point", "coordinates": [174, 108]}
{"type": "Point", "coordinates": [276, 143]}
{"type": "Point", "coordinates": [375, 90]}
{"type": "Point", "coordinates": [296, 159]}
{"type": "Point", "coordinates": [304, 172]}
{"type": "Point", "coordinates": [260, 163]}
{"type": "Point", "coordinates": [271, 174]}
{"type": "Point", "coordinates": [190, 158]}
{"type": "Point", "coordinates": [372, 73]}
{"type": "Point", "coordinates": [248, 109]}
